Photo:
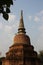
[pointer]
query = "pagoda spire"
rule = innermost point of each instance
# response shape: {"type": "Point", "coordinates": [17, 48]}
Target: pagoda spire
{"type": "Point", "coordinates": [21, 28]}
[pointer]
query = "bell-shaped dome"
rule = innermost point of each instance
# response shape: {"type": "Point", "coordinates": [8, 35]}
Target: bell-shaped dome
{"type": "Point", "coordinates": [22, 39]}
{"type": "Point", "coordinates": [21, 36]}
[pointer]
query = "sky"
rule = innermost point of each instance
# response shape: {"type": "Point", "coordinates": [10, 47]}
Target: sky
{"type": "Point", "coordinates": [33, 21]}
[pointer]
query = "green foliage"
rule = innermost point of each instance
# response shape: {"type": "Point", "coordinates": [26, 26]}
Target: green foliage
{"type": "Point", "coordinates": [5, 8]}
{"type": "Point", "coordinates": [0, 61]}
{"type": "Point", "coordinates": [41, 57]}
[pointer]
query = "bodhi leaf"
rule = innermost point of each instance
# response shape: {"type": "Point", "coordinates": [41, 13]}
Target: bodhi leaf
{"type": "Point", "coordinates": [7, 10]}
{"type": "Point", "coordinates": [5, 16]}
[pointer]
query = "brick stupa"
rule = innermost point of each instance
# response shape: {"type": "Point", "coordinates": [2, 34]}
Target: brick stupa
{"type": "Point", "coordinates": [21, 52]}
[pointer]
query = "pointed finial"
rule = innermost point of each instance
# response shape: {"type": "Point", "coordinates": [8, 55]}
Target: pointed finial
{"type": "Point", "coordinates": [21, 28]}
{"type": "Point", "coordinates": [21, 13]}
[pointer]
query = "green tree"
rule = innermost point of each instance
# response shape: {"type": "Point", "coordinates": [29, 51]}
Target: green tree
{"type": "Point", "coordinates": [1, 60]}
{"type": "Point", "coordinates": [41, 56]}
{"type": "Point", "coordinates": [5, 8]}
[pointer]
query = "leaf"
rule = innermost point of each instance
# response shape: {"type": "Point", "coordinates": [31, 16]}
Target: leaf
{"type": "Point", "coordinates": [1, 9]}
{"type": "Point", "coordinates": [5, 16]}
{"type": "Point", "coordinates": [7, 10]}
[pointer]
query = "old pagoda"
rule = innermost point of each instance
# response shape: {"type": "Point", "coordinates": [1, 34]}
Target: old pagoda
{"type": "Point", "coordinates": [21, 52]}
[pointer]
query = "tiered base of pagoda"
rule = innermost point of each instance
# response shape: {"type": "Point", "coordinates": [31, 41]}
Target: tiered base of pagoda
{"type": "Point", "coordinates": [20, 54]}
